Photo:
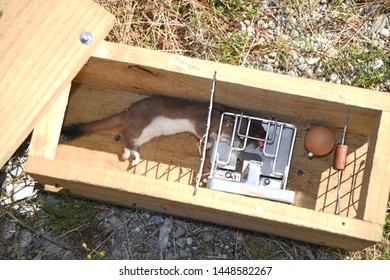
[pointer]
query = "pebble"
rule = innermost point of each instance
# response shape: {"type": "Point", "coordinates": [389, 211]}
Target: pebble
{"type": "Point", "coordinates": [302, 67]}
{"type": "Point", "coordinates": [52, 250]}
{"type": "Point", "coordinates": [22, 191]}
{"type": "Point", "coordinates": [334, 77]}
{"type": "Point", "coordinates": [242, 26]}
{"type": "Point", "coordinates": [376, 64]}
{"type": "Point", "coordinates": [385, 32]}
{"type": "Point", "coordinates": [292, 72]}
{"type": "Point", "coordinates": [158, 219]}
{"type": "Point", "coordinates": [152, 242]}
{"type": "Point", "coordinates": [312, 60]}
{"type": "Point", "coordinates": [309, 72]}
{"type": "Point", "coordinates": [268, 68]}
{"type": "Point", "coordinates": [37, 243]}
{"type": "Point", "coordinates": [25, 238]}
{"type": "Point", "coordinates": [183, 253]}
{"type": "Point", "coordinates": [16, 171]}
{"type": "Point", "coordinates": [273, 55]}
{"type": "Point", "coordinates": [179, 232]}
{"type": "Point", "coordinates": [8, 230]}
{"type": "Point", "coordinates": [115, 222]}
{"type": "Point", "coordinates": [181, 242]}
{"type": "Point", "coordinates": [208, 236]}
{"type": "Point", "coordinates": [224, 235]}
{"type": "Point", "coordinates": [250, 29]}
{"type": "Point", "coordinates": [379, 23]}
{"type": "Point", "coordinates": [165, 230]}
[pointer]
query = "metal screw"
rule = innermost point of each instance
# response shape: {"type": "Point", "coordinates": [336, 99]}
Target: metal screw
{"type": "Point", "coordinates": [86, 37]}
{"type": "Point", "coordinates": [267, 181]}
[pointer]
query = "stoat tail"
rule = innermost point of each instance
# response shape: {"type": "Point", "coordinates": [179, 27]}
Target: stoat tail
{"type": "Point", "coordinates": [73, 131]}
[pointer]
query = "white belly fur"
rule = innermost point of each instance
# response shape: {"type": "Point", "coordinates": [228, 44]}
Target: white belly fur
{"type": "Point", "coordinates": [164, 126]}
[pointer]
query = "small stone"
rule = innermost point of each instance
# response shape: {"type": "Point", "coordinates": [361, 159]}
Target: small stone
{"type": "Point", "coordinates": [242, 26]}
{"type": "Point", "coordinates": [189, 240]}
{"type": "Point", "coordinates": [22, 191]}
{"type": "Point", "coordinates": [224, 235]}
{"type": "Point", "coordinates": [376, 64]}
{"type": "Point", "coordinates": [53, 250]}
{"type": "Point", "coordinates": [158, 219]}
{"type": "Point", "coordinates": [179, 232]}
{"type": "Point", "coordinates": [37, 243]}
{"type": "Point", "coordinates": [250, 29]}
{"type": "Point", "coordinates": [273, 55]}
{"type": "Point", "coordinates": [312, 60]}
{"type": "Point", "coordinates": [268, 68]}
{"type": "Point", "coordinates": [302, 67]}
{"type": "Point", "coordinates": [309, 72]}
{"type": "Point", "coordinates": [8, 230]}
{"type": "Point", "coordinates": [292, 72]}
{"type": "Point", "coordinates": [16, 171]}
{"type": "Point", "coordinates": [334, 77]}
{"type": "Point", "coordinates": [379, 23]}
{"type": "Point", "coordinates": [25, 238]}
{"type": "Point", "coordinates": [181, 242]}
{"type": "Point", "coordinates": [165, 230]}
{"type": "Point", "coordinates": [385, 32]}
{"type": "Point", "coordinates": [208, 237]}
{"type": "Point", "coordinates": [115, 222]}
{"type": "Point", "coordinates": [9, 188]}
{"type": "Point", "coordinates": [183, 253]}
{"type": "Point", "coordinates": [152, 241]}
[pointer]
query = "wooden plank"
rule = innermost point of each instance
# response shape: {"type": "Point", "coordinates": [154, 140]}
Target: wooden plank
{"type": "Point", "coordinates": [291, 98]}
{"type": "Point", "coordinates": [315, 188]}
{"type": "Point", "coordinates": [213, 206]}
{"type": "Point", "coordinates": [46, 134]}
{"type": "Point", "coordinates": [374, 198]}
{"type": "Point", "coordinates": [40, 54]}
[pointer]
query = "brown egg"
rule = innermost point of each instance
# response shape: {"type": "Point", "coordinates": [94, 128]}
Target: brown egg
{"type": "Point", "coordinates": [319, 140]}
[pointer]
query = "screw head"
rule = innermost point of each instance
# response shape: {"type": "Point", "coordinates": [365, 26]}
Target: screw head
{"type": "Point", "coordinates": [86, 38]}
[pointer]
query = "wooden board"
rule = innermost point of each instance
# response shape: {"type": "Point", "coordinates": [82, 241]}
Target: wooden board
{"type": "Point", "coordinates": [213, 206]}
{"type": "Point", "coordinates": [289, 98]}
{"type": "Point", "coordinates": [40, 54]}
{"type": "Point", "coordinates": [177, 157]}
{"type": "Point", "coordinates": [116, 76]}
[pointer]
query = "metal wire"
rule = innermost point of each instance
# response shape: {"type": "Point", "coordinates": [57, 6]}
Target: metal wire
{"type": "Point", "coordinates": [206, 136]}
{"type": "Point", "coordinates": [339, 172]}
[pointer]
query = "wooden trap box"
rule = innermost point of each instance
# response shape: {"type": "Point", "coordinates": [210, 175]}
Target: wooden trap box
{"type": "Point", "coordinates": [117, 75]}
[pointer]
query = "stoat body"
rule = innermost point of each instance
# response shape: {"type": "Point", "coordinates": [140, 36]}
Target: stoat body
{"type": "Point", "coordinates": [152, 117]}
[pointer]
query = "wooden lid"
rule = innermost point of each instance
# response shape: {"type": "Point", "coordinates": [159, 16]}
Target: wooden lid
{"type": "Point", "coordinates": [40, 53]}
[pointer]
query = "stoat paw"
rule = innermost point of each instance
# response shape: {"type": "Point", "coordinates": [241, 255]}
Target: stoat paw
{"type": "Point", "coordinates": [136, 159]}
{"type": "Point", "coordinates": [126, 153]}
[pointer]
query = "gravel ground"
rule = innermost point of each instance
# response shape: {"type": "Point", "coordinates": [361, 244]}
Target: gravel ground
{"type": "Point", "coordinates": [312, 43]}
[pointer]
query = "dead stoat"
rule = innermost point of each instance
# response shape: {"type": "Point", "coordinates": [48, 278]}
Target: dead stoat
{"type": "Point", "coordinates": [152, 117]}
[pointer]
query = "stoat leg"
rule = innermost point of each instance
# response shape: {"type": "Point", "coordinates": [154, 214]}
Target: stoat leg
{"type": "Point", "coordinates": [126, 153]}
{"type": "Point", "coordinates": [136, 159]}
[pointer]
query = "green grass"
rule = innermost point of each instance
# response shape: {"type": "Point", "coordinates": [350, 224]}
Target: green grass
{"type": "Point", "coordinates": [69, 213]}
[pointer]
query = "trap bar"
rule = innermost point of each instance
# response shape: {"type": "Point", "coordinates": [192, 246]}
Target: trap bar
{"type": "Point", "coordinates": [244, 163]}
